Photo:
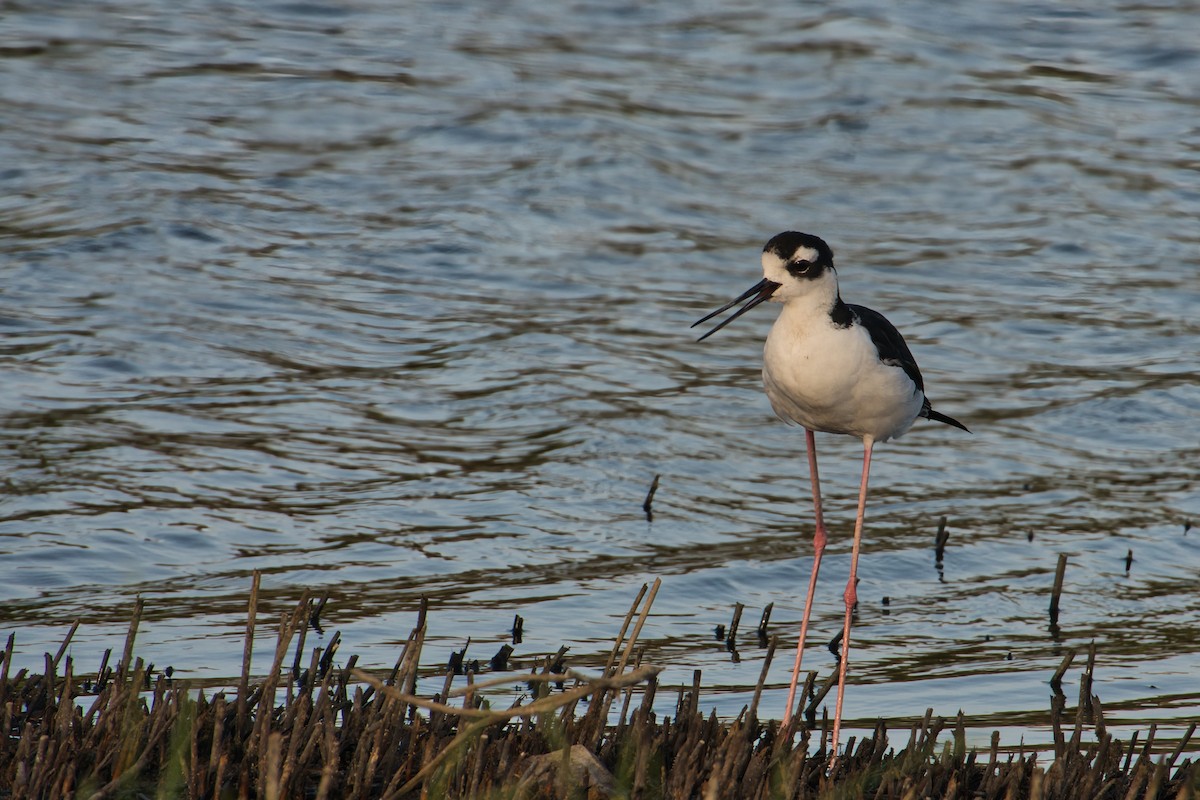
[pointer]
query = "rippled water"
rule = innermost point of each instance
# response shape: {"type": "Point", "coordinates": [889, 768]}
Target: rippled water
{"type": "Point", "coordinates": [391, 302]}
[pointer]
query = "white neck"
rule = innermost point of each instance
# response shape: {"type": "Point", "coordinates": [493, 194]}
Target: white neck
{"type": "Point", "coordinates": [812, 303]}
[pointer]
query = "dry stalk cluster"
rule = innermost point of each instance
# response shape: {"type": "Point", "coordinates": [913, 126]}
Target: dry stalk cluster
{"type": "Point", "coordinates": [316, 730]}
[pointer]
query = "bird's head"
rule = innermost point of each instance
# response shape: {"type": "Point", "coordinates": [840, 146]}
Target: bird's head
{"type": "Point", "coordinates": [800, 263]}
{"type": "Point", "coordinates": [794, 265]}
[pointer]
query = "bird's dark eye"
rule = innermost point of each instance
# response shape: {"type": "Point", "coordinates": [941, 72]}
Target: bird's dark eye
{"type": "Point", "coordinates": [803, 268]}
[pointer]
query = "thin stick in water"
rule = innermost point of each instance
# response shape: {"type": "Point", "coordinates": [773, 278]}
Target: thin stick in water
{"type": "Point", "coordinates": [939, 544]}
{"type": "Point", "coordinates": [734, 623]}
{"type": "Point", "coordinates": [1058, 584]}
{"type": "Point", "coordinates": [1056, 680]}
{"type": "Point", "coordinates": [765, 619]}
{"type": "Point", "coordinates": [650, 499]}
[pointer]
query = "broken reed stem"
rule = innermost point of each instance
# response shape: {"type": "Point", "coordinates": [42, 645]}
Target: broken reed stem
{"type": "Point", "coordinates": [616, 648]}
{"type": "Point", "coordinates": [589, 686]}
{"type": "Point", "coordinates": [649, 501]}
{"type": "Point", "coordinates": [738, 608]}
{"type": "Point", "coordinates": [829, 683]}
{"type": "Point", "coordinates": [288, 625]}
{"type": "Point", "coordinates": [4, 688]}
{"type": "Point", "coordinates": [1183, 743]}
{"type": "Point", "coordinates": [765, 619]}
{"type": "Point", "coordinates": [939, 543]}
{"type": "Point", "coordinates": [637, 629]}
{"type": "Point", "coordinates": [1059, 573]}
{"type": "Point", "coordinates": [134, 621]}
{"type": "Point", "coordinates": [598, 708]}
{"type": "Point", "coordinates": [247, 651]}
{"type": "Point", "coordinates": [527, 677]}
{"type": "Point", "coordinates": [66, 642]}
{"type": "Point", "coordinates": [762, 677]}
{"type": "Point", "coordinates": [1056, 680]}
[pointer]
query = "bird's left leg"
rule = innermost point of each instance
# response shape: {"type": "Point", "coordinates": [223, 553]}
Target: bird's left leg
{"type": "Point", "coordinates": [851, 594]}
{"type": "Point", "coordinates": [819, 539]}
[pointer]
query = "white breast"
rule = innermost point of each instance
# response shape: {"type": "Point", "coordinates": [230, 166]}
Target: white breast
{"type": "Point", "coordinates": [830, 379]}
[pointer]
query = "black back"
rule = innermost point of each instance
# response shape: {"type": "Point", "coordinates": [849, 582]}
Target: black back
{"type": "Point", "coordinates": [888, 341]}
{"type": "Point", "coordinates": [893, 351]}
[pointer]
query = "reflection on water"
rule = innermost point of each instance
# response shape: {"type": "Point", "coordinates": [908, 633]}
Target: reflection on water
{"type": "Point", "coordinates": [395, 303]}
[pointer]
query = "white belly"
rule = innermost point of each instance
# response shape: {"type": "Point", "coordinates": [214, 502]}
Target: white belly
{"type": "Point", "coordinates": [830, 379]}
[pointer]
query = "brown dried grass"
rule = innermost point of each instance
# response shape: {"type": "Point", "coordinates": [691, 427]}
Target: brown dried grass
{"type": "Point", "coordinates": [345, 733]}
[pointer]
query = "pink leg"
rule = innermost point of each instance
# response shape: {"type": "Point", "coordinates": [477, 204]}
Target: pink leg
{"type": "Point", "coordinates": [819, 538]}
{"type": "Point", "coordinates": [851, 594]}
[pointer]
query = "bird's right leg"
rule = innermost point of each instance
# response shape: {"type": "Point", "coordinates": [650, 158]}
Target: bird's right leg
{"type": "Point", "coordinates": [851, 595]}
{"type": "Point", "coordinates": [819, 538]}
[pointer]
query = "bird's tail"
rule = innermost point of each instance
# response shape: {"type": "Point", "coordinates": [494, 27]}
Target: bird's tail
{"type": "Point", "coordinates": [928, 413]}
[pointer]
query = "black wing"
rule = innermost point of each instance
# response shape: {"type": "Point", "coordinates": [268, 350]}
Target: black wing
{"type": "Point", "coordinates": [889, 342]}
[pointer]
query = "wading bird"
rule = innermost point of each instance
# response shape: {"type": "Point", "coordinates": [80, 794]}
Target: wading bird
{"type": "Point", "coordinates": [833, 367]}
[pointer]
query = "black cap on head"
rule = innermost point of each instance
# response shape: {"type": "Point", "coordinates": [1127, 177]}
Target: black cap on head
{"type": "Point", "coordinates": [787, 243]}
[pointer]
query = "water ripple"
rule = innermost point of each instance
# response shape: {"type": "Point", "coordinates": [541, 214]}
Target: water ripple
{"type": "Point", "coordinates": [394, 304]}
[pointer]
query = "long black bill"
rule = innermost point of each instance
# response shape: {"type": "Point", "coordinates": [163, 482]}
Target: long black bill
{"type": "Point", "coordinates": [759, 292]}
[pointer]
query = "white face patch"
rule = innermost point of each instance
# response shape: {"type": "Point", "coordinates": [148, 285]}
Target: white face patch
{"type": "Point", "coordinates": [773, 268]}
{"type": "Point", "coordinates": [805, 254]}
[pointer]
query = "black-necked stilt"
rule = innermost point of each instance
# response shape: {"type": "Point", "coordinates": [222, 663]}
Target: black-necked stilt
{"type": "Point", "coordinates": [834, 367]}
